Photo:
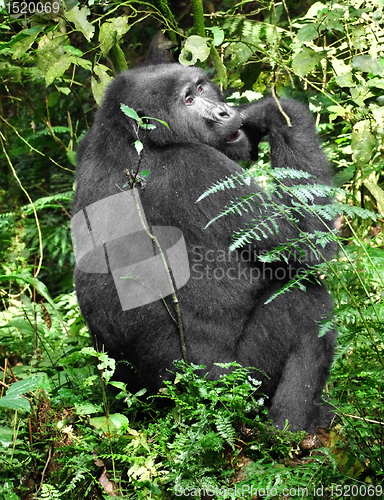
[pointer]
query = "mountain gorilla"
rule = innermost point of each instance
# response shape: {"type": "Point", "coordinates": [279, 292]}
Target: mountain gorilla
{"type": "Point", "coordinates": [222, 296]}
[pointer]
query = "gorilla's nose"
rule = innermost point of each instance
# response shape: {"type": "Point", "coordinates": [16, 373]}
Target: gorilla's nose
{"type": "Point", "coordinates": [223, 111]}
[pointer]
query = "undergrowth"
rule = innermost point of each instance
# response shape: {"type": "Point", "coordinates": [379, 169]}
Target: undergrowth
{"type": "Point", "coordinates": [65, 435]}
{"type": "Point", "coordinates": [69, 431]}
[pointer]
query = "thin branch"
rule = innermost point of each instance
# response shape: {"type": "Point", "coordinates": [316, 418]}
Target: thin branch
{"type": "Point", "coordinates": [30, 201]}
{"type": "Point", "coordinates": [175, 299]}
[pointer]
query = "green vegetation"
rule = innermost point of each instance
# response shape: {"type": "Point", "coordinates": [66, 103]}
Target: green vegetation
{"type": "Point", "coordinates": [67, 431]}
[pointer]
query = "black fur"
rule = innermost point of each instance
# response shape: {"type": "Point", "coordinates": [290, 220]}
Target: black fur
{"type": "Point", "coordinates": [225, 318]}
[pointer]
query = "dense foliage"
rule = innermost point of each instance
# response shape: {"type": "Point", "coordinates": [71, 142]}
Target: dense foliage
{"type": "Point", "coordinates": [63, 434]}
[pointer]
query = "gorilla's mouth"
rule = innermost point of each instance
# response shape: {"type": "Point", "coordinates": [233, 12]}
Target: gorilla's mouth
{"type": "Point", "coordinates": [234, 137]}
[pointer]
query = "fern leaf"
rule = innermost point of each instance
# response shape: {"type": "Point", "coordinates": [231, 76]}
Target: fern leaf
{"type": "Point", "coordinates": [236, 207]}
{"type": "Point", "coordinates": [289, 173]}
{"type": "Point", "coordinates": [227, 183]}
{"type": "Point", "coordinates": [295, 284]}
{"type": "Point", "coordinates": [225, 428]}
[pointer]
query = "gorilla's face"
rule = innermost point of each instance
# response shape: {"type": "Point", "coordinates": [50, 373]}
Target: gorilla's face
{"type": "Point", "coordinates": [210, 118]}
{"type": "Point", "coordinates": [185, 98]}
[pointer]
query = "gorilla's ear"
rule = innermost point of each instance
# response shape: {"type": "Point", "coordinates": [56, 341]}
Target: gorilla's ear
{"type": "Point", "coordinates": [160, 50]}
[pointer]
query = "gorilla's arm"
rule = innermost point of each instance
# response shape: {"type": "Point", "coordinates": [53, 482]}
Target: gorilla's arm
{"type": "Point", "coordinates": [294, 144]}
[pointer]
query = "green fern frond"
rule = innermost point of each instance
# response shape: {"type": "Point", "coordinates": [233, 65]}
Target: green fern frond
{"type": "Point", "coordinates": [233, 24]}
{"type": "Point", "coordinates": [237, 207]}
{"type": "Point", "coordinates": [352, 211]}
{"type": "Point", "coordinates": [322, 238]}
{"type": "Point", "coordinates": [211, 441]}
{"type": "Point", "coordinates": [306, 193]}
{"type": "Point", "coordinates": [251, 30]}
{"type": "Point", "coordinates": [227, 183]}
{"type": "Point", "coordinates": [327, 326]}
{"type": "Point", "coordinates": [259, 230]}
{"type": "Point", "coordinates": [327, 212]}
{"type": "Point", "coordinates": [296, 283]}
{"type": "Point", "coordinates": [225, 428]}
{"type": "Point", "coordinates": [289, 173]}
{"type": "Point", "coordinates": [48, 202]}
{"type": "Point", "coordinates": [55, 130]}
{"type": "Point", "coordinates": [45, 202]}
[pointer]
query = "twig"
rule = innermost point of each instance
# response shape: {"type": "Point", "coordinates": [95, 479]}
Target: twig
{"type": "Point", "coordinates": [280, 107]}
{"type": "Point", "coordinates": [45, 468]}
{"type": "Point", "coordinates": [175, 299]}
{"type": "Point", "coordinates": [365, 419]}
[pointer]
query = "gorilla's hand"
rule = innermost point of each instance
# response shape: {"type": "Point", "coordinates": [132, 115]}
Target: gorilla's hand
{"type": "Point", "coordinates": [291, 131]}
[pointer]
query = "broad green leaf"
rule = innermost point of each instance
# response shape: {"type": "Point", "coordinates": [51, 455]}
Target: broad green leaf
{"type": "Point", "coordinates": [79, 18]}
{"type": "Point", "coordinates": [306, 60]}
{"type": "Point", "coordinates": [84, 63]}
{"type": "Point", "coordinates": [130, 112]}
{"type": "Point", "coordinates": [367, 64]}
{"type": "Point", "coordinates": [315, 9]}
{"type": "Point", "coordinates": [25, 385]}
{"type": "Point", "coordinates": [20, 36]}
{"type": "Point", "coordinates": [71, 155]}
{"type": "Point", "coordinates": [340, 67]}
{"type": "Point", "coordinates": [21, 324]}
{"type": "Point", "coordinates": [378, 114]}
{"type": "Point", "coordinates": [72, 50]}
{"type": "Point", "coordinates": [121, 26]}
{"type": "Point", "coordinates": [358, 37]}
{"type": "Point", "coordinates": [218, 35]}
{"type": "Point", "coordinates": [111, 31]}
{"type": "Point", "coordinates": [118, 58]}
{"type": "Point", "coordinates": [377, 193]}
{"type": "Point", "coordinates": [221, 70]}
{"type": "Point", "coordinates": [64, 90]}
{"type": "Point", "coordinates": [343, 176]}
{"type": "Point", "coordinates": [112, 424]}
{"type": "Point", "coordinates": [6, 436]}
{"type": "Point", "coordinates": [115, 383]}
{"type": "Point", "coordinates": [20, 48]}
{"type": "Point", "coordinates": [32, 31]}
{"type": "Point", "coordinates": [50, 50]}
{"type": "Point", "coordinates": [37, 284]}
{"type": "Point", "coordinates": [336, 110]}
{"type": "Point", "coordinates": [107, 37]}
{"type": "Point", "coordinates": [334, 20]}
{"type": "Point", "coordinates": [377, 83]}
{"type": "Point", "coordinates": [307, 33]}
{"type": "Point", "coordinates": [139, 147]}
{"type": "Point", "coordinates": [195, 49]}
{"type": "Point", "coordinates": [58, 69]}
{"type": "Point", "coordinates": [345, 80]}
{"type": "Point", "coordinates": [360, 94]}
{"type": "Point", "coordinates": [98, 87]}
{"type": "Point", "coordinates": [15, 402]}
{"type": "Point", "coordinates": [86, 408]}
{"type": "Point", "coordinates": [363, 142]}
{"type": "Point", "coordinates": [239, 52]}
{"type": "Point", "coordinates": [13, 398]}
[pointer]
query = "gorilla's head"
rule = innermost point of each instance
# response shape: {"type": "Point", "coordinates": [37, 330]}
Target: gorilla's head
{"type": "Point", "coordinates": [184, 98]}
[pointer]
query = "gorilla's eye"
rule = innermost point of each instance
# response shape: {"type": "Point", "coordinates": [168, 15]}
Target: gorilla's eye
{"type": "Point", "coordinates": [189, 100]}
{"type": "Point", "coordinates": [200, 89]}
